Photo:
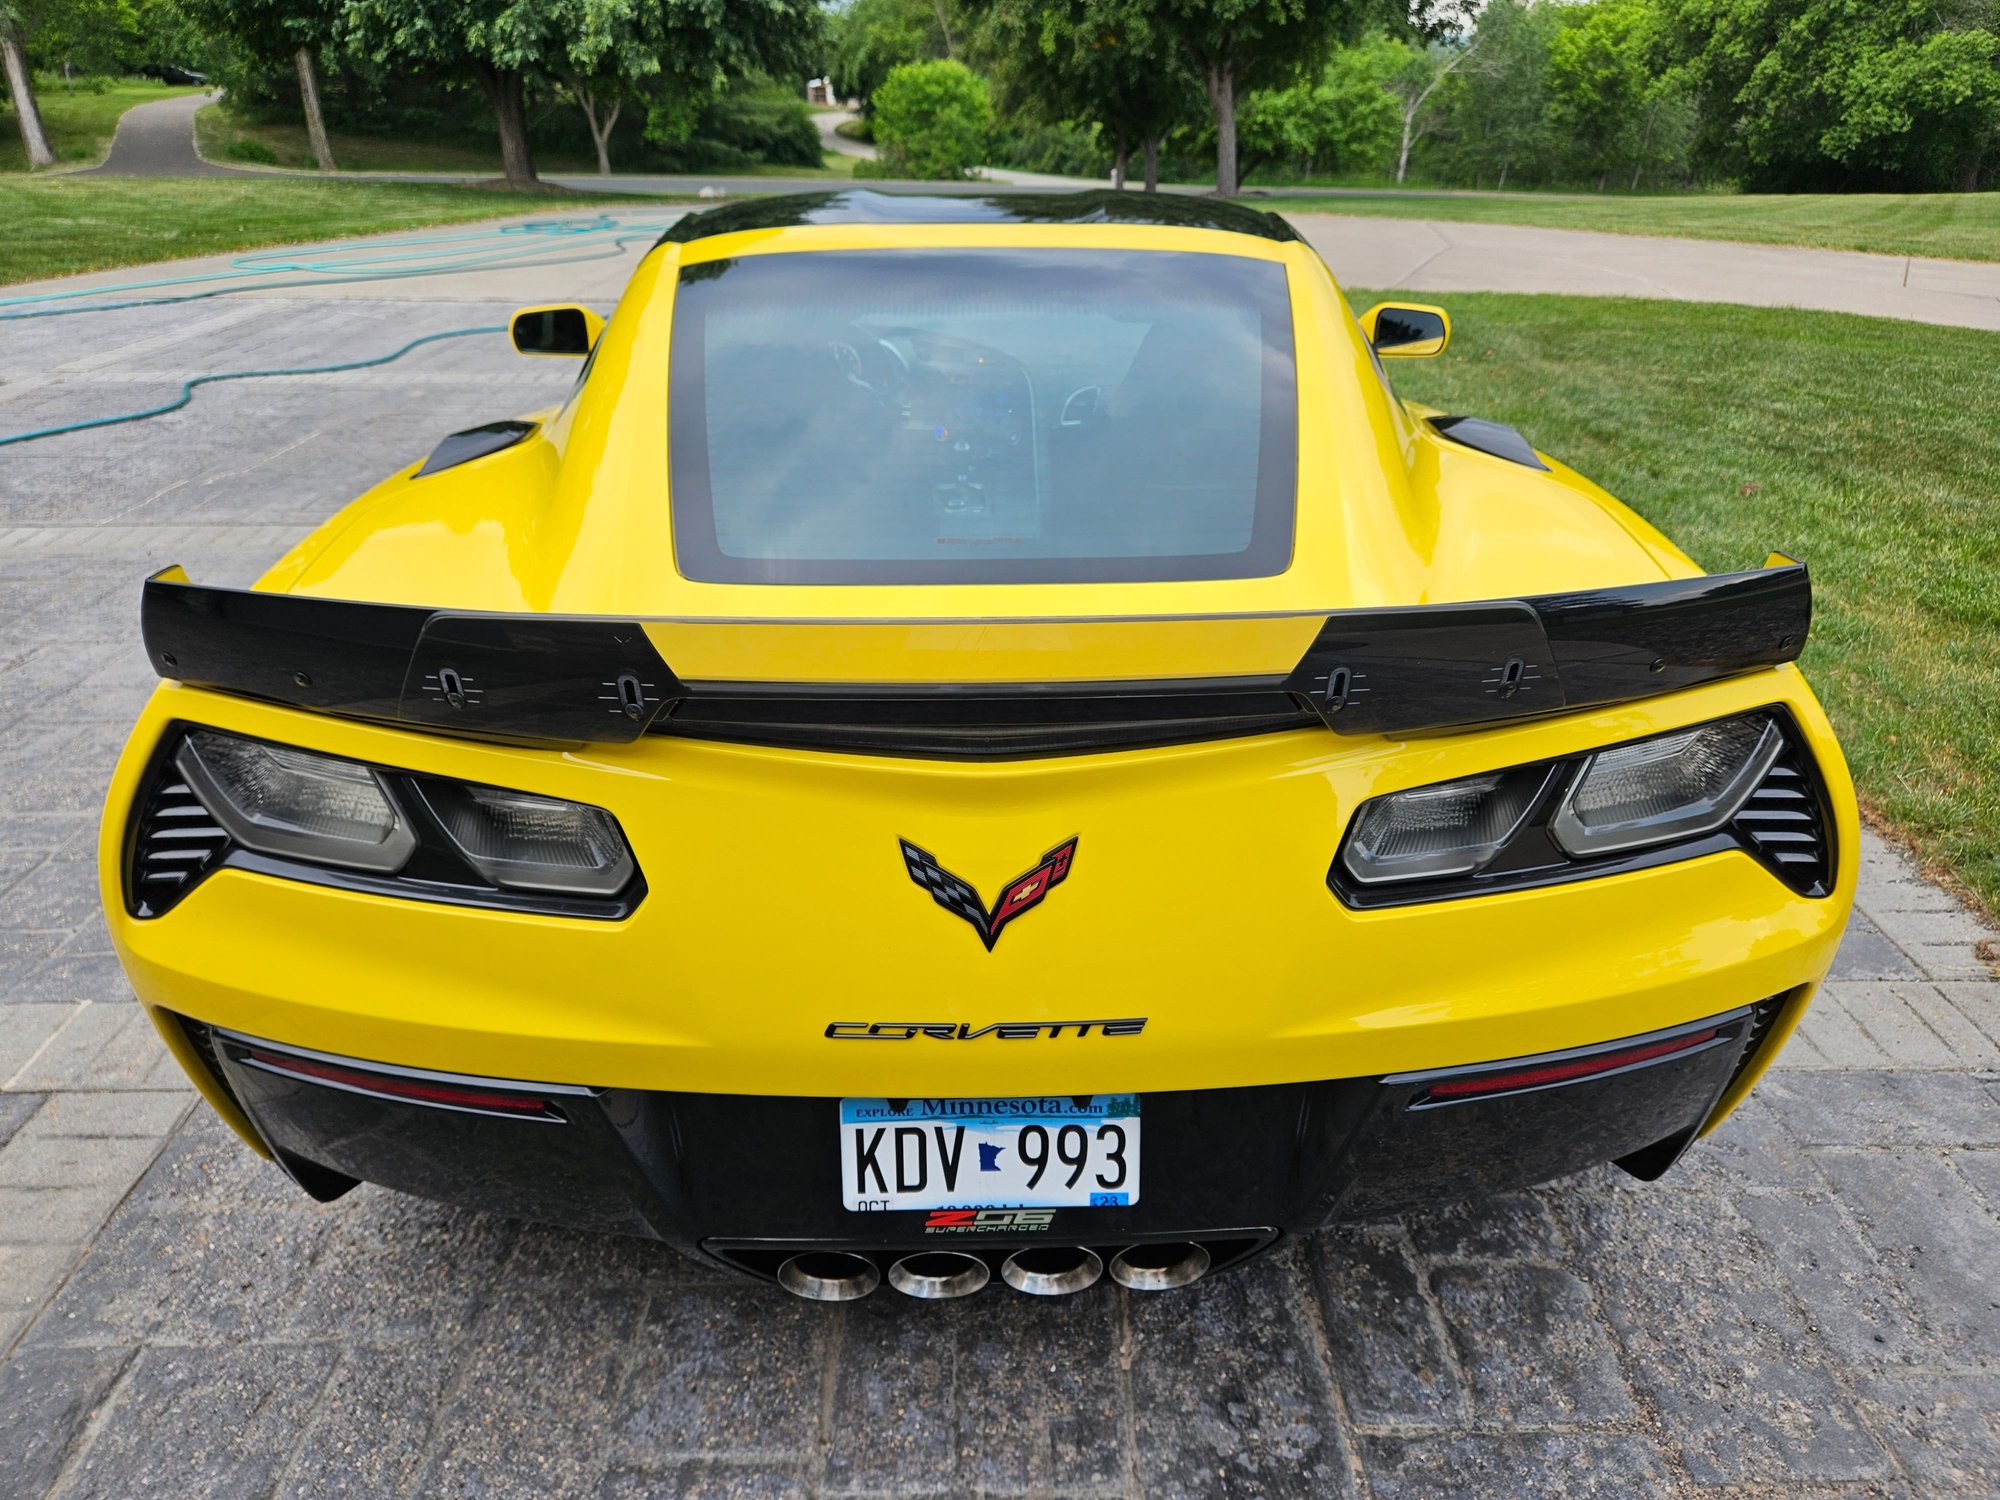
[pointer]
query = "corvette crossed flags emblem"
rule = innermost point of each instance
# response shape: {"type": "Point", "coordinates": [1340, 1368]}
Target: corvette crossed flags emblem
{"type": "Point", "coordinates": [1022, 893]}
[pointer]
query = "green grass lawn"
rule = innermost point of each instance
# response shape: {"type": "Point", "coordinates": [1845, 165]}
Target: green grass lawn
{"type": "Point", "coordinates": [1861, 445]}
{"type": "Point", "coordinates": [80, 124]}
{"type": "Point", "coordinates": [1961, 226]}
{"type": "Point", "coordinates": [56, 226]}
{"type": "Point", "coordinates": [225, 138]}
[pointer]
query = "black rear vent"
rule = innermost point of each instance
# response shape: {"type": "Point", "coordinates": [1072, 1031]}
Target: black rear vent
{"type": "Point", "coordinates": [177, 843]}
{"type": "Point", "coordinates": [202, 1038]}
{"type": "Point", "coordinates": [1784, 824]}
{"type": "Point", "coordinates": [982, 724]}
{"type": "Point", "coordinates": [1757, 1031]}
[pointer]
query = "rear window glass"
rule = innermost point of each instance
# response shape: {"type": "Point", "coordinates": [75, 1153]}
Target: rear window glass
{"type": "Point", "coordinates": [919, 416]}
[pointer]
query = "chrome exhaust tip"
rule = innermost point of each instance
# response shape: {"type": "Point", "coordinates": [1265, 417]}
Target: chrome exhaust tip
{"type": "Point", "coordinates": [936, 1274]}
{"type": "Point", "coordinates": [829, 1276]}
{"type": "Point", "coordinates": [1052, 1270]}
{"type": "Point", "coordinates": [1161, 1267]}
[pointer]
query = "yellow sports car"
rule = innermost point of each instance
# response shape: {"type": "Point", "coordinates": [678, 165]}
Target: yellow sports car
{"type": "Point", "coordinates": [981, 739]}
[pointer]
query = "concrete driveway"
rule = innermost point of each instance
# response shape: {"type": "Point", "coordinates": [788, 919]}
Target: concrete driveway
{"type": "Point", "coordinates": [1420, 255]}
{"type": "Point", "coordinates": [1809, 1306]}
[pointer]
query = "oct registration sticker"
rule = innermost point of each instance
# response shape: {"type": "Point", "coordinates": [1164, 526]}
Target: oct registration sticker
{"type": "Point", "coordinates": [1052, 1151]}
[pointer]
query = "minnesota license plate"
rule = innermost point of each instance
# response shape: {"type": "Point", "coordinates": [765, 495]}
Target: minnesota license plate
{"type": "Point", "coordinates": [1033, 1152]}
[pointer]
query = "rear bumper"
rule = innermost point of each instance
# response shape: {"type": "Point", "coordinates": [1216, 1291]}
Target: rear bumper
{"type": "Point", "coordinates": [748, 1180]}
{"type": "Point", "coordinates": [781, 924]}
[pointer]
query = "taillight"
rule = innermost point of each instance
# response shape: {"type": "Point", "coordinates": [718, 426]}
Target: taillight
{"type": "Point", "coordinates": [1568, 1070]}
{"type": "Point", "coordinates": [214, 800]}
{"type": "Point", "coordinates": [439, 1093]}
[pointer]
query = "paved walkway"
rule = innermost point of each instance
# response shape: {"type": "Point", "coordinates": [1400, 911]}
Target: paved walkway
{"type": "Point", "coordinates": [830, 139]}
{"type": "Point", "coordinates": [1808, 1307]}
{"type": "Point", "coordinates": [157, 140]}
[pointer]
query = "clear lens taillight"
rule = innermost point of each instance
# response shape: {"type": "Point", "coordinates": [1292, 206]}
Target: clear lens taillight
{"type": "Point", "coordinates": [524, 842]}
{"type": "Point", "coordinates": [295, 803]}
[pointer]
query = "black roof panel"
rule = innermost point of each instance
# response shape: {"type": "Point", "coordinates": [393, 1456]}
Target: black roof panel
{"type": "Point", "coordinates": [865, 206]}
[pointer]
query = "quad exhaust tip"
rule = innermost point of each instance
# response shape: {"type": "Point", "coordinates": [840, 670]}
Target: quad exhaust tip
{"type": "Point", "coordinates": [829, 1276]}
{"type": "Point", "coordinates": [935, 1275]}
{"type": "Point", "coordinates": [1040, 1271]}
{"type": "Point", "coordinates": [1160, 1267]}
{"type": "Point", "coordinates": [1052, 1271]}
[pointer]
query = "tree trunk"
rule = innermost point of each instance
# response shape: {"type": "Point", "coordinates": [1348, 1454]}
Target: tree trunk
{"type": "Point", "coordinates": [1409, 139]}
{"type": "Point", "coordinates": [600, 130]}
{"type": "Point", "coordinates": [1121, 161]}
{"type": "Point", "coordinates": [504, 89]}
{"type": "Point", "coordinates": [21, 84]}
{"type": "Point", "coordinates": [1968, 171]}
{"type": "Point", "coordinates": [315, 121]}
{"type": "Point", "coordinates": [1505, 163]}
{"type": "Point", "coordinates": [603, 137]}
{"type": "Point", "coordinates": [1222, 94]}
{"type": "Point", "coordinates": [1152, 164]}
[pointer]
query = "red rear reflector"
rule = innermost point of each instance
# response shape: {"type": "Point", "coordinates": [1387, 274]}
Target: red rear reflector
{"type": "Point", "coordinates": [422, 1090]}
{"type": "Point", "coordinates": [1566, 1072]}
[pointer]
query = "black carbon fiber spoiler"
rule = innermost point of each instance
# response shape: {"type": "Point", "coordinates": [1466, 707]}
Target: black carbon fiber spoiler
{"type": "Point", "coordinates": [595, 679]}
{"type": "Point", "coordinates": [1438, 666]}
{"type": "Point", "coordinates": [524, 677]}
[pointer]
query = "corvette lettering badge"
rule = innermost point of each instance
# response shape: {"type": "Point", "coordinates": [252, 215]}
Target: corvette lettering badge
{"type": "Point", "coordinates": [1022, 893]}
{"type": "Point", "coordinates": [965, 1031]}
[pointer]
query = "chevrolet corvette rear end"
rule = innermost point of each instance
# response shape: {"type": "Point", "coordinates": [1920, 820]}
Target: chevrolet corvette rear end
{"type": "Point", "coordinates": [982, 740]}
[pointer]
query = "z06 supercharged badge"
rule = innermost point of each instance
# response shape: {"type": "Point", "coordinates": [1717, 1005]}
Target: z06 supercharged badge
{"type": "Point", "coordinates": [989, 1220]}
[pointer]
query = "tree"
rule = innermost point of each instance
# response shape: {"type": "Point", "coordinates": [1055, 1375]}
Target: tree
{"type": "Point", "coordinates": [21, 87]}
{"type": "Point", "coordinates": [682, 53]}
{"type": "Point", "coordinates": [870, 37]}
{"type": "Point", "coordinates": [1599, 82]}
{"type": "Point", "coordinates": [1414, 85]}
{"type": "Point", "coordinates": [601, 96]}
{"type": "Point", "coordinates": [293, 29]}
{"type": "Point", "coordinates": [1234, 46]}
{"type": "Point", "coordinates": [1101, 61]}
{"type": "Point", "coordinates": [1341, 122]}
{"type": "Point", "coordinates": [1495, 109]}
{"type": "Point", "coordinates": [164, 35]}
{"type": "Point", "coordinates": [485, 39]}
{"type": "Point", "coordinates": [1924, 109]}
{"type": "Point", "coordinates": [1800, 95]}
{"type": "Point", "coordinates": [84, 36]}
{"type": "Point", "coordinates": [681, 49]}
{"type": "Point", "coordinates": [70, 26]}
{"type": "Point", "coordinates": [932, 120]}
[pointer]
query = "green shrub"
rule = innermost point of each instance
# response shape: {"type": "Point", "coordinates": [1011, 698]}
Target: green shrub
{"type": "Point", "coordinates": [855, 129]}
{"type": "Point", "coordinates": [931, 120]}
{"type": "Point", "coordinates": [51, 81]}
{"type": "Point", "coordinates": [249, 149]}
{"type": "Point", "coordinates": [767, 122]}
{"type": "Point", "coordinates": [1066, 149]}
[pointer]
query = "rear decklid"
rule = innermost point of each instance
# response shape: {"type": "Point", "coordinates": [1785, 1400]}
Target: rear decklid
{"type": "Point", "coordinates": [975, 477]}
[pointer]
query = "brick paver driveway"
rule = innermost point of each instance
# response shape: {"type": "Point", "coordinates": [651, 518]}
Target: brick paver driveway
{"type": "Point", "coordinates": [1810, 1305]}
